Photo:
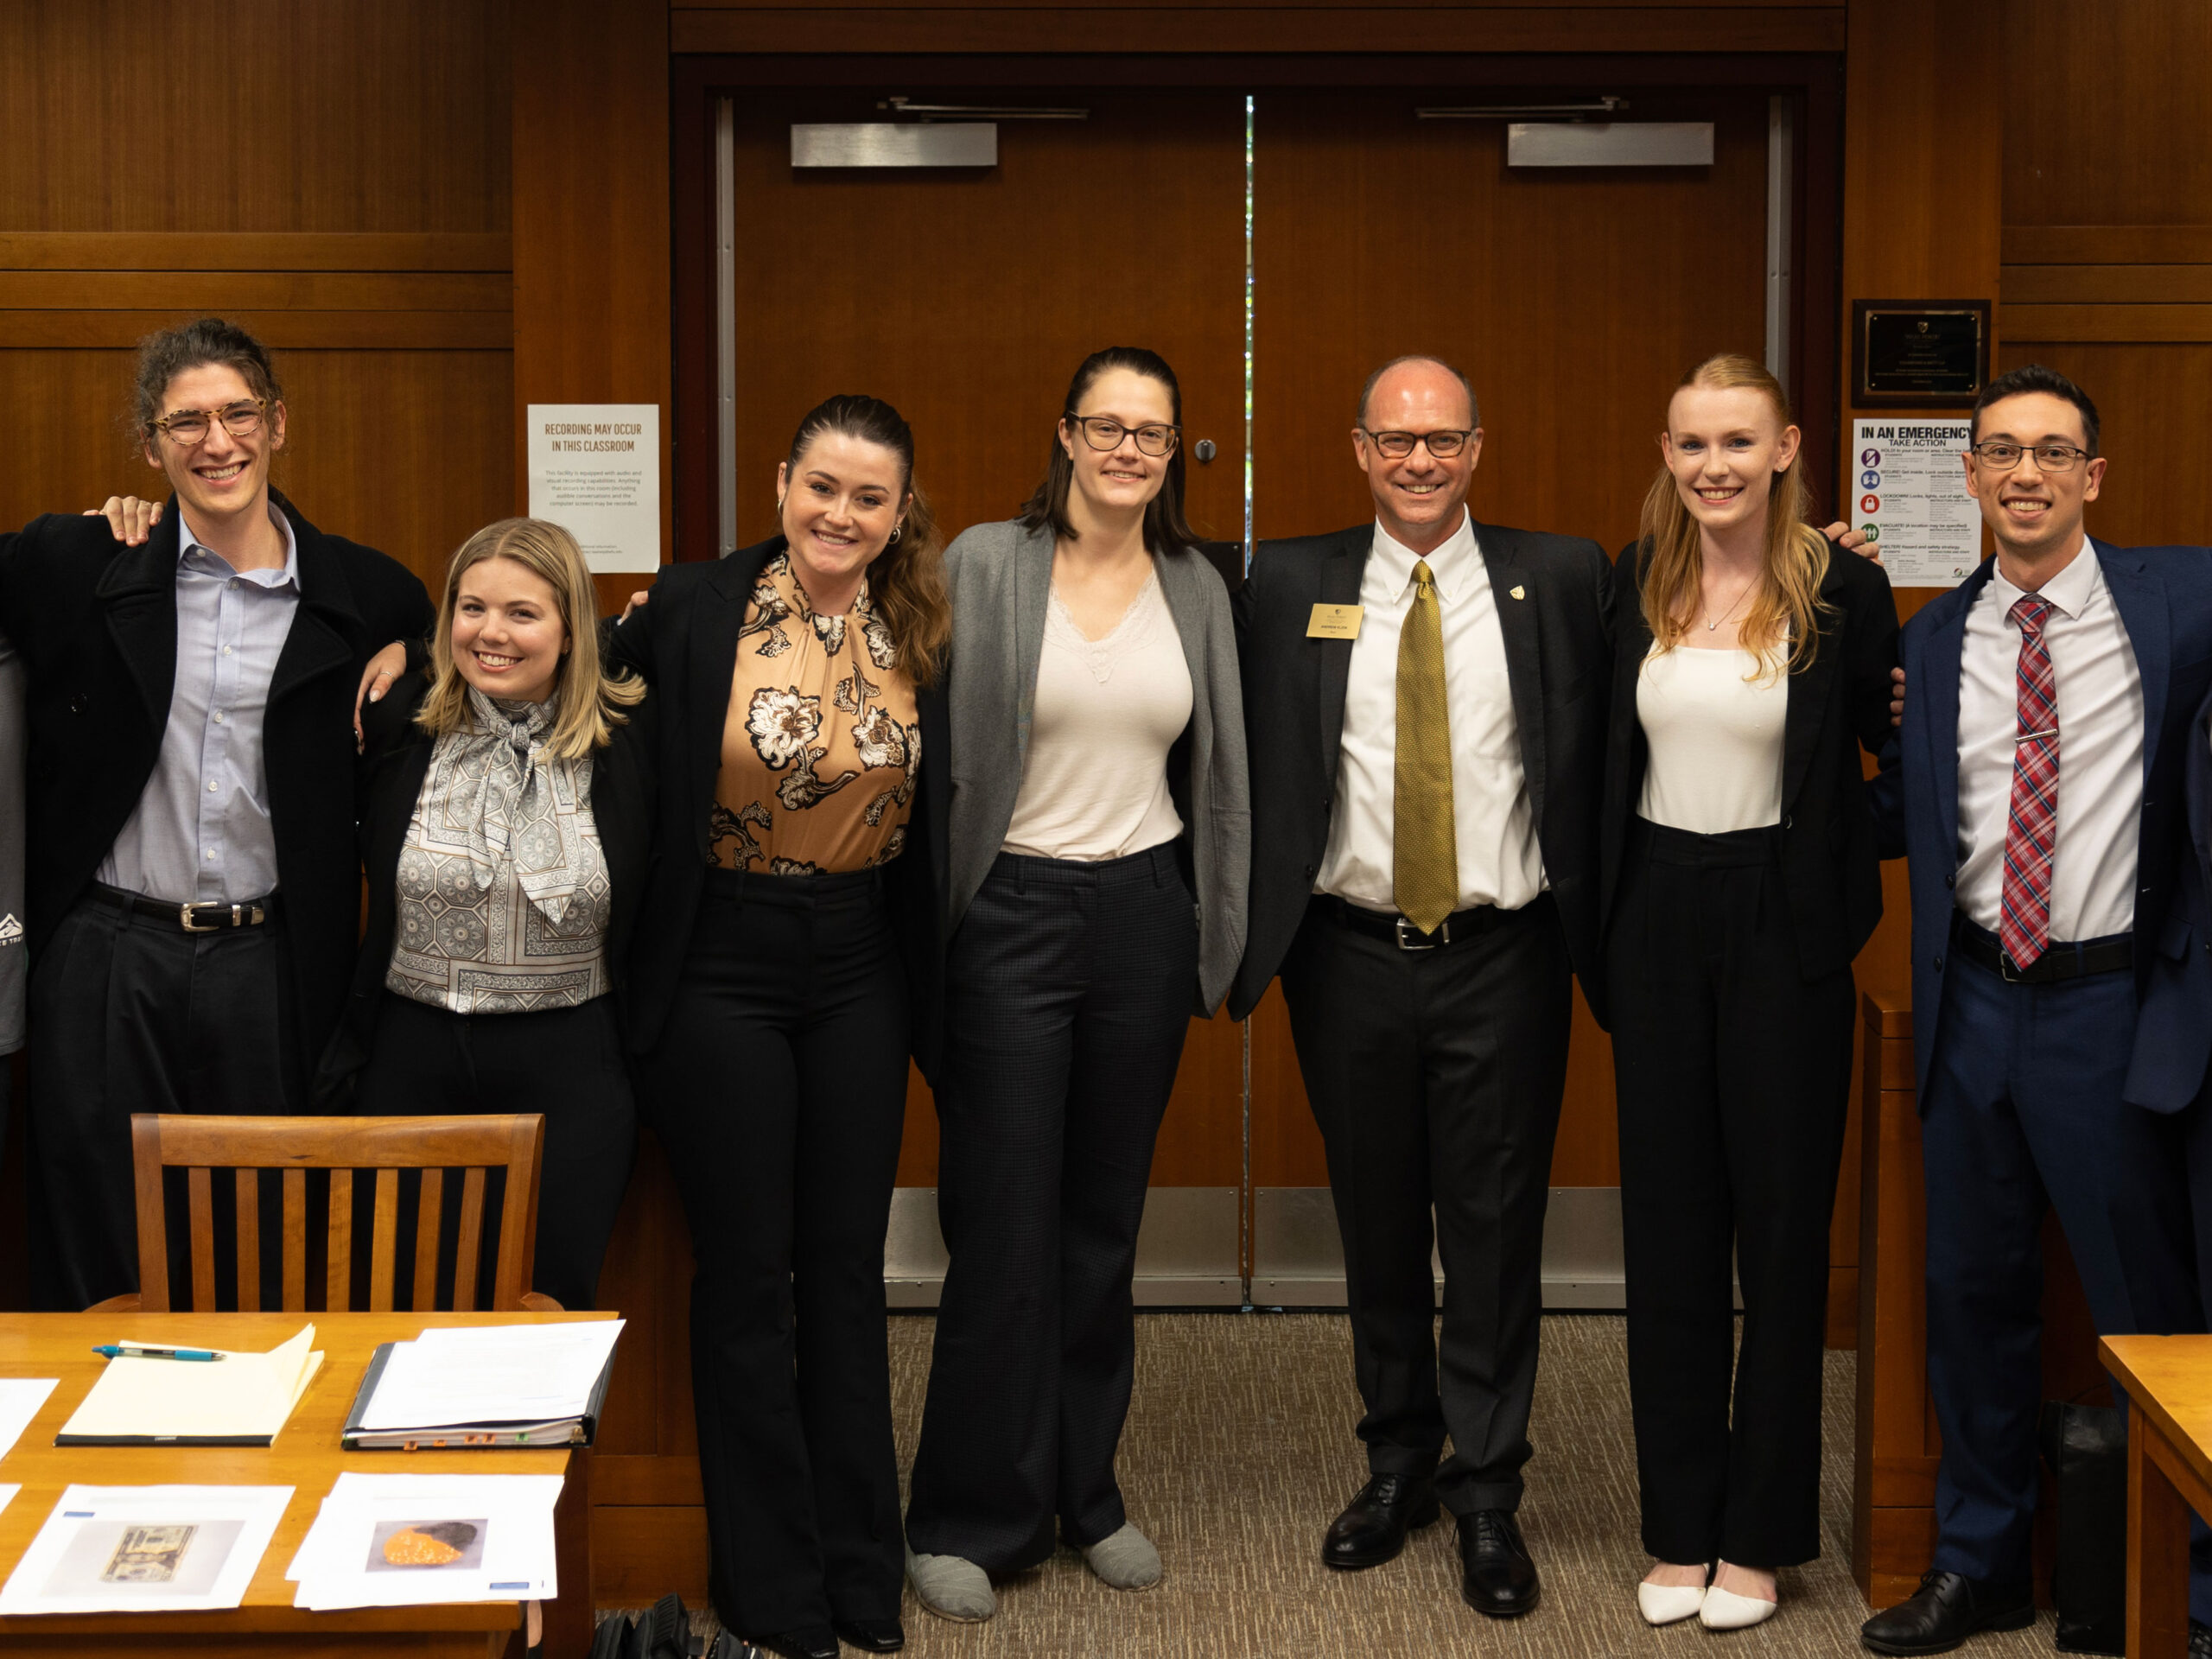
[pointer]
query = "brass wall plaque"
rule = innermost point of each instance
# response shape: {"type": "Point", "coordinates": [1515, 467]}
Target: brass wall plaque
{"type": "Point", "coordinates": [1919, 353]}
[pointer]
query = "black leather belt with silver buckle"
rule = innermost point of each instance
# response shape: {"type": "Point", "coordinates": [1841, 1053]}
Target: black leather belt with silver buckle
{"type": "Point", "coordinates": [2059, 961]}
{"type": "Point", "coordinates": [190, 918]}
{"type": "Point", "coordinates": [1459, 925]}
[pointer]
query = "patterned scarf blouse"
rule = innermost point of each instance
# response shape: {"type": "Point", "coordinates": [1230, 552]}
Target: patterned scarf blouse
{"type": "Point", "coordinates": [820, 746]}
{"type": "Point", "coordinates": [503, 895]}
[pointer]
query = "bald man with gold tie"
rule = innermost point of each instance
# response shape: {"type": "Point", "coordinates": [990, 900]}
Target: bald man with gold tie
{"type": "Point", "coordinates": [1425, 699]}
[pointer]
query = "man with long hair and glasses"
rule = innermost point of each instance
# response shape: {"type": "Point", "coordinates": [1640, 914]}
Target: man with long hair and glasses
{"type": "Point", "coordinates": [192, 894]}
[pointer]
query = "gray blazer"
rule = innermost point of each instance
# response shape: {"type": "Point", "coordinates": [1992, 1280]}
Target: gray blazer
{"type": "Point", "coordinates": [1000, 577]}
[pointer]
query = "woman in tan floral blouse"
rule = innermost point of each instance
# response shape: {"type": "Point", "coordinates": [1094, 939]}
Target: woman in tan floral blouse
{"type": "Point", "coordinates": [785, 963]}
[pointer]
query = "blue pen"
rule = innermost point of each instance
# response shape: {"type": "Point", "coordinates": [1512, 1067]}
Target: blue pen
{"type": "Point", "coordinates": [133, 1350]}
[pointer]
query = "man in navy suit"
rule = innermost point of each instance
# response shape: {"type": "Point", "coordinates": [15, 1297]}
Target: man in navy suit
{"type": "Point", "coordinates": [2048, 701]}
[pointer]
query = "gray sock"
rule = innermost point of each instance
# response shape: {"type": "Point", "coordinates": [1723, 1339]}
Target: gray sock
{"type": "Point", "coordinates": [952, 1587]}
{"type": "Point", "coordinates": [1126, 1560]}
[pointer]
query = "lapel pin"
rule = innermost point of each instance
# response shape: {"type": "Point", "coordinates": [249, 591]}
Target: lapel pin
{"type": "Point", "coordinates": [1518, 593]}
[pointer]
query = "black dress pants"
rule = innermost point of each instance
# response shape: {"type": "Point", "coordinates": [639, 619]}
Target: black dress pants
{"type": "Point", "coordinates": [1068, 997]}
{"type": "Point", "coordinates": [1733, 1073]}
{"type": "Point", "coordinates": [1436, 1075]}
{"type": "Point", "coordinates": [565, 1063]}
{"type": "Point", "coordinates": [134, 1014]}
{"type": "Point", "coordinates": [779, 1090]}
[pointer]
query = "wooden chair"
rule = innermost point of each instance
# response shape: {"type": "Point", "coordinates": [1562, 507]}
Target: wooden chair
{"type": "Point", "coordinates": [248, 1146]}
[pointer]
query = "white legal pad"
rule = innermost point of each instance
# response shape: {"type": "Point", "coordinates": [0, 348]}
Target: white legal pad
{"type": "Point", "coordinates": [113, 1549]}
{"type": "Point", "coordinates": [240, 1400]}
{"type": "Point", "coordinates": [20, 1400]}
{"type": "Point", "coordinates": [395, 1541]}
{"type": "Point", "coordinates": [490, 1374]}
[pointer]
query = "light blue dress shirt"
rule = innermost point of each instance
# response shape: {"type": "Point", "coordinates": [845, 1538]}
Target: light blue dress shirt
{"type": "Point", "coordinates": [202, 830]}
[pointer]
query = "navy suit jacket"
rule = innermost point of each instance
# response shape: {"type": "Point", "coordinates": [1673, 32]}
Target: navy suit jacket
{"type": "Point", "coordinates": [2173, 1033]}
{"type": "Point", "coordinates": [2164, 595]}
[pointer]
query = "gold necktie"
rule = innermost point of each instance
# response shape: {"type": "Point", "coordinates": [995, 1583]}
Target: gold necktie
{"type": "Point", "coordinates": [1425, 843]}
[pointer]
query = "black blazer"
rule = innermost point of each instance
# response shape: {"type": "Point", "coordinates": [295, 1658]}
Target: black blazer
{"type": "Point", "coordinates": [1559, 658]}
{"type": "Point", "coordinates": [394, 760]}
{"type": "Point", "coordinates": [96, 622]}
{"type": "Point", "coordinates": [684, 640]}
{"type": "Point", "coordinates": [1839, 703]}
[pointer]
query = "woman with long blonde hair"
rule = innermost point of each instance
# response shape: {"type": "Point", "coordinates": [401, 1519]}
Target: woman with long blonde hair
{"type": "Point", "coordinates": [1741, 875]}
{"type": "Point", "coordinates": [508, 812]}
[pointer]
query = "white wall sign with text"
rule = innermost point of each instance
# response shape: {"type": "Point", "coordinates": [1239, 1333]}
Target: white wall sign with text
{"type": "Point", "coordinates": [594, 470]}
{"type": "Point", "coordinates": [1909, 490]}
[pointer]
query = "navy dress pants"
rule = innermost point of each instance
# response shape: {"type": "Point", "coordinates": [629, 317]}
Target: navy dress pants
{"type": "Point", "coordinates": [1069, 992]}
{"type": "Point", "coordinates": [2023, 1113]}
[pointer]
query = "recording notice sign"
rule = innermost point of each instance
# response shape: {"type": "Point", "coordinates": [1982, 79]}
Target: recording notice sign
{"type": "Point", "coordinates": [1911, 495]}
{"type": "Point", "coordinates": [594, 470]}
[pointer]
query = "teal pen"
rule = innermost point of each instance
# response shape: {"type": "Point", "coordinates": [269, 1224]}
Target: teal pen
{"type": "Point", "coordinates": [132, 1351]}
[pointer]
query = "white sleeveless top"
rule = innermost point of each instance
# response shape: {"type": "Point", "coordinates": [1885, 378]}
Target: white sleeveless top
{"type": "Point", "coordinates": [1715, 738]}
{"type": "Point", "coordinates": [1094, 783]}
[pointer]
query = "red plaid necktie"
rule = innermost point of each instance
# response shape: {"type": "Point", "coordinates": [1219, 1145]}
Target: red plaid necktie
{"type": "Point", "coordinates": [2032, 829]}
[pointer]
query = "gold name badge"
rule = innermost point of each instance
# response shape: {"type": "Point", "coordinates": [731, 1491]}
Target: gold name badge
{"type": "Point", "coordinates": [1334, 622]}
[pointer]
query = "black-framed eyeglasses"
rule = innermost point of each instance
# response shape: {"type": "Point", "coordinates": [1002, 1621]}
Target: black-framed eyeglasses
{"type": "Point", "coordinates": [1100, 432]}
{"type": "Point", "coordinates": [2050, 457]}
{"type": "Point", "coordinates": [187, 427]}
{"type": "Point", "coordinates": [1442, 444]}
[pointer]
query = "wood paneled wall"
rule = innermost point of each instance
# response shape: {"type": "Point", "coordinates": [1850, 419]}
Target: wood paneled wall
{"type": "Point", "coordinates": [1169, 26]}
{"type": "Point", "coordinates": [1923, 135]}
{"type": "Point", "coordinates": [2107, 245]}
{"type": "Point", "coordinates": [335, 177]}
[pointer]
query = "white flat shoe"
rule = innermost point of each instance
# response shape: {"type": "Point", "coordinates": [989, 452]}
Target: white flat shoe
{"type": "Point", "coordinates": [1724, 1610]}
{"type": "Point", "coordinates": [1669, 1604]}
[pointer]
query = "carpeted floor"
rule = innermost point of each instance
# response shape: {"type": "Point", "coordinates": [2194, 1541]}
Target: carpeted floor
{"type": "Point", "coordinates": [1240, 1450]}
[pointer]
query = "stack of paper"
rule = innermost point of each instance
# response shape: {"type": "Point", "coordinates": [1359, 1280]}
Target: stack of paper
{"type": "Point", "coordinates": [394, 1541]}
{"type": "Point", "coordinates": [239, 1400]}
{"type": "Point", "coordinates": [20, 1400]}
{"type": "Point", "coordinates": [505, 1384]}
{"type": "Point", "coordinates": [108, 1549]}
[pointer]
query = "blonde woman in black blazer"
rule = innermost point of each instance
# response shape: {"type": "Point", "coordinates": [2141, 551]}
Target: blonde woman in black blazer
{"type": "Point", "coordinates": [1740, 876]}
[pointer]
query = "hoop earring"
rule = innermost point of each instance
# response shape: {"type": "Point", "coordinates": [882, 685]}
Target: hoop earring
{"type": "Point", "coordinates": [895, 531]}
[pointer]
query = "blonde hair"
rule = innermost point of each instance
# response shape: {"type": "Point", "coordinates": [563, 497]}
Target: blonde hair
{"type": "Point", "coordinates": [1783, 625]}
{"type": "Point", "coordinates": [583, 722]}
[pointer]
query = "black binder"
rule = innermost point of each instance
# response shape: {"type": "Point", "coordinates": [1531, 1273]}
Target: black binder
{"type": "Point", "coordinates": [554, 1432]}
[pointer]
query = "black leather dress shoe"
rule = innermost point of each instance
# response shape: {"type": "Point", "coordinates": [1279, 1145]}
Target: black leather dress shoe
{"type": "Point", "coordinates": [814, 1642]}
{"type": "Point", "coordinates": [870, 1635]}
{"type": "Point", "coordinates": [1496, 1576]}
{"type": "Point", "coordinates": [1947, 1608]}
{"type": "Point", "coordinates": [1373, 1528]}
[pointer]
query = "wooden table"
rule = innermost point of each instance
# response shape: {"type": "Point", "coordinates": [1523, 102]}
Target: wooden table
{"type": "Point", "coordinates": [2168, 1383]}
{"type": "Point", "coordinates": [307, 1456]}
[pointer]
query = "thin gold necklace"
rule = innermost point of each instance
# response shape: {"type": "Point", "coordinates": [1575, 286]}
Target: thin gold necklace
{"type": "Point", "coordinates": [1710, 625]}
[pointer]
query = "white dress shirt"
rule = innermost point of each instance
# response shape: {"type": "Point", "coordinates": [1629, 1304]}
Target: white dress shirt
{"type": "Point", "coordinates": [1498, 858]}
{"type": "Point", "coordinates": [2099, 752]}
{"type": "Point", "coordinates": [201, 831]}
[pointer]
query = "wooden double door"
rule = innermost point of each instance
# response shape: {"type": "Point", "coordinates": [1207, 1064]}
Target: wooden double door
{"type": "Point", "coordinates": [1273, 244]}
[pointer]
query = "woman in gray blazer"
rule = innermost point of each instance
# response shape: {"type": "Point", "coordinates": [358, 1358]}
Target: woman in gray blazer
{"type": "Point", "coordinates": [1097, 857]}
